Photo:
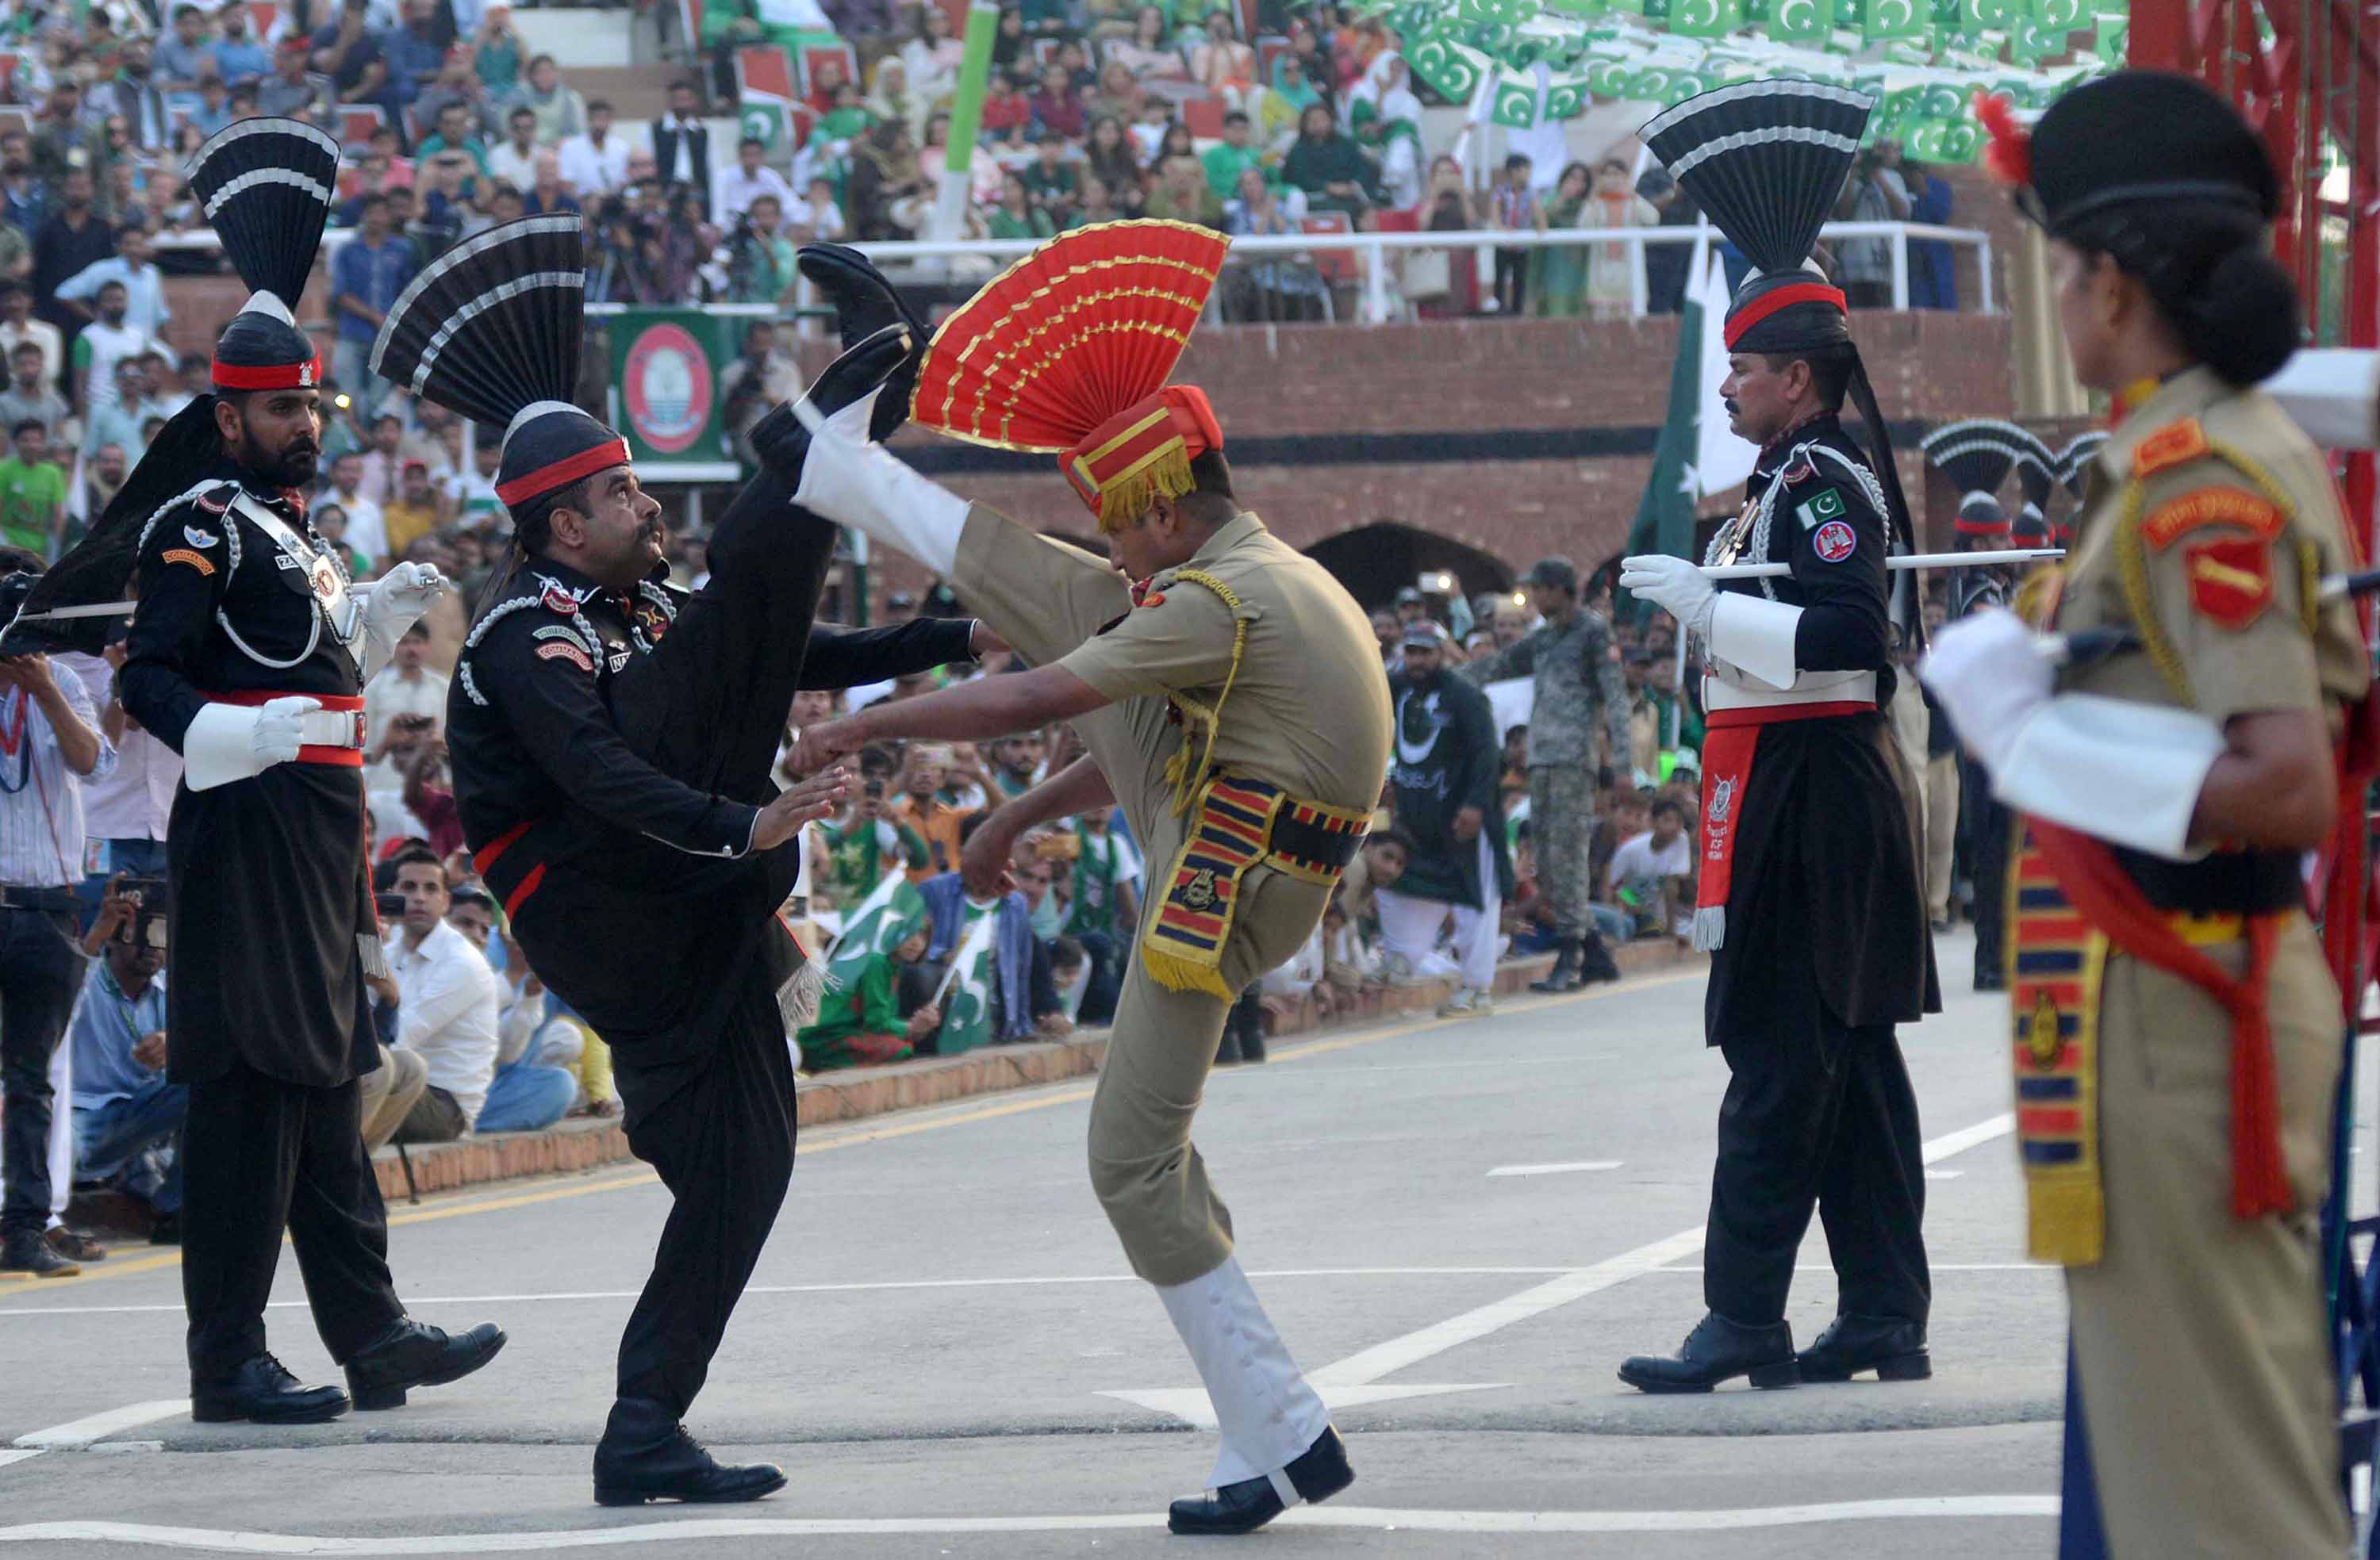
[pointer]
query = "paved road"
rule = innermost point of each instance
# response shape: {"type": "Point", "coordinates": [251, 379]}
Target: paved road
{"type": "Point", "coordinates": [943, 1346]}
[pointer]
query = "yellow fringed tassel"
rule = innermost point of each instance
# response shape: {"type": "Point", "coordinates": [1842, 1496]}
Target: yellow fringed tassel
{"type": "Point", "coordinates": [1125, 499]}
{"type": "Point", "coordinates": [1180, 975]}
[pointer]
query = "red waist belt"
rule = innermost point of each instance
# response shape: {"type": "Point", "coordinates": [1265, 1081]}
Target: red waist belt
{"type": "Point", "coordinates": [1731, 737]}
{"type": "Point", "coordinates": [347, 755]}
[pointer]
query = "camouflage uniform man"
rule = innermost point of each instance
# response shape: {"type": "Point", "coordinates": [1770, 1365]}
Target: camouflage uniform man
{"type": "Point", "coordinates": [1578, 682]}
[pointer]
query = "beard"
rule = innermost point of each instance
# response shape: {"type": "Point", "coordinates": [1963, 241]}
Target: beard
{"type": "Point", "coordinates": [294, 465]}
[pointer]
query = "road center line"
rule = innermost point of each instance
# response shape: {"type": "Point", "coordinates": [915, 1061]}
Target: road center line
{"type": "Point", "coordinates": [1360, 1518]}
{"type": "Point", "coordinates": [1369, 1365]}
{"type": "Point", "coordinates": [1561, 1169]}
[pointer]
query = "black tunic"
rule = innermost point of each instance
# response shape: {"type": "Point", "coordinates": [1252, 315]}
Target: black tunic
{"type": "Point", "coordinates": [272, 901]}
{"type": "Point", "coordinates": [1827, 901]}
{"type": "Point", "coordinates": [632, 888]}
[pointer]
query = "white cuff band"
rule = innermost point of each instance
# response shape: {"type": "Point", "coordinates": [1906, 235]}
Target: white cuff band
{"type": "Point", "coordinates": [2127, 772]}
{"type": "Point", "coordinates": [216, 749]}
{"type": "Point", "coordinates": [1756, 634]}
{"type": "Point", "coordinates": [852, 482]}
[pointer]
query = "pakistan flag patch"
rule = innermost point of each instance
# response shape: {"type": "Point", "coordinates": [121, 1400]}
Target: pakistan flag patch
{"type": "Point", "coordinates": [1822, 506]}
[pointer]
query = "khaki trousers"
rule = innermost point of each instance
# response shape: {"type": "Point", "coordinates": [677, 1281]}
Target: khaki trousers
{"type": "Point", "coordinates": [390, 1091]}
{"type": "Point", "coordinates": [1941, 777]}
{"type": "Point", "coordinates": [2200, 1340]}
{"type": "Point", "coordinates": [1045, 597]}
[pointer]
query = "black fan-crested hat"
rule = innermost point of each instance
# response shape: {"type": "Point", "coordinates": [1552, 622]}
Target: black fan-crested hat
{"type": "Point", "coordinates": [1766, 161]}
{"type": "Point", "coordinates": [2075, 458]}
{"type": "Point", "coordinates": [492, 330]}
{"type": "Point", "coordinates": [2137, 138]}
{"type": "Point", "coordinates": [1977, 455]}
{"type": "Point", "coordinates": [2037, 477]}
{"type": "Point", "coordinates": [265, 186]}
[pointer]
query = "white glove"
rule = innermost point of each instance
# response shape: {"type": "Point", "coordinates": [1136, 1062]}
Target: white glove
{"type": "Point", "coordinates": [1673, 584]}
{"type": "Point", "coordinates": [229, 742]}
{"type": "Point", "coordinates": [853, 482]}
{"type": "Point", "coordinates": [1990, 678]}
{"type": "Point", "coordinates": [395, 603]}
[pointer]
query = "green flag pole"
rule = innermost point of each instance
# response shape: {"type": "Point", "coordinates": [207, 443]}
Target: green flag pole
{"type": "Point", "coordinates": [966, 120]}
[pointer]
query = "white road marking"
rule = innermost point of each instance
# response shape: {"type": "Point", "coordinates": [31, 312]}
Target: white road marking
{"type": "Point", "coordinates": [20, 1456]}
{"type": "Point", "coordinates": [82, 1432]}
{"type": "Point", "coordinates": [1365, 1367]}
{"type": "Point", "coordinates": [1944, 1174]}
{"type": "Point", "coordinates": [1362, 1518]}
{"type": "Point", "coordinates": [1553, 1169]}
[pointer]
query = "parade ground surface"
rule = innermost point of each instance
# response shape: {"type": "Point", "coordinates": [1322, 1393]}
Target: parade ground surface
{"type": "Point", "coordinates": [1460, 1227]}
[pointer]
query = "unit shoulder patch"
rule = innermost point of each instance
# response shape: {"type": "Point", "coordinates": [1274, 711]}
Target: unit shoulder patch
{"type": "Point", "coordinates": [183, 555]}
{"type": "Point", "coordinates": [2230, 579]}
{"type": "Point", "coordinates": [2168, 447]}
{"type": "Point", "coordinates": [1825, 504]}
{"type": "Point", "coordinates": [2170, 521]}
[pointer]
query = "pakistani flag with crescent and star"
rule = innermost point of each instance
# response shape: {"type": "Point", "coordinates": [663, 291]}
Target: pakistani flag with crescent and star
{"type": "Point", "coordinates": [1698, 455]}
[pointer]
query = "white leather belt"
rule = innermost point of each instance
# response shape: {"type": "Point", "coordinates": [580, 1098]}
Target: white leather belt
{"type": "Point", "coordinates": [1720, 692]}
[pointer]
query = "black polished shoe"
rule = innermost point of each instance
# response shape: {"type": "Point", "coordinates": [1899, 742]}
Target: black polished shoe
{"type": "Point", "coordinates": [1563, 977]}
{"type": "Point", "coordinates": [1893, 1348]}
{"type": "Point", "coordinates": [778, 438]}
{"type": "Point", "coordinates": [407, 1354]}
{"type": "Point", "coordinates": [264, 1391]}
{"type": "Point", "coordinates": [865, 302]}
{"type": "Point", "coordinates": [1718, 1350]}
{"type": "Point", "coordinates": [30, 1251]}
{"type": "Point", "coordinates": [1317, 1474]}
{"type": "Point", "coordinates": [646, 1455]}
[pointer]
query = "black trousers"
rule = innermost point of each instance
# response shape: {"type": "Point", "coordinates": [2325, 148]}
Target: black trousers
{"type": "Point", "coordinates": [1512, 280]}
{"type": "Point", "coordinates": [722, 1139]}
{"type": "Point", "coordinates": [1987, 824]}
{"type": "Point", "coordinates": [1826, 1121]}
{"type": "Point", "coordinates": [258, 1156]}
{"type": "Point", "coordinates": [1106, 979]}
{"type": "Point", "coordinates": [711, 704]}
{"type": "Point", "coordinates": [41, 970]}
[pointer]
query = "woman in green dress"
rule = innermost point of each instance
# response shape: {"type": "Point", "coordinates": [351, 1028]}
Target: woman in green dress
{"type": "Point", "coordinates": [1558, 272]}
{"type": "Point", "coordinates": [1016, 216]}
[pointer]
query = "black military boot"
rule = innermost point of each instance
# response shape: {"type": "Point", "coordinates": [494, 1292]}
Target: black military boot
{"type": "Point", "coordinates": [646, 1454]}
{"type": "Point", "coordinates": [1718, 1350]}
{"type": "Point", "coordinates": [865, 302]}
{"type": "Point", "coordinates": [263, 1390]}
{"type": "Point", "coordinates": [407, 1354]}
{"type": "Point", "coordinates": [1594, 961]}
{"type": "Point", "coordinates": [27, 1250]}
{"type": "Point", "coordinates": [1563, 977]}
{"type": "Point", "coordinates": [1893, 1348]}
{"type": "Point", "coordinates": [778, 438]}
{"type": "Point", "coordinates": [1317, 1473]}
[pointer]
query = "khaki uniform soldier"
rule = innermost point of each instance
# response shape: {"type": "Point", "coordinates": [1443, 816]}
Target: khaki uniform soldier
{"type": "Point", "coordinates": [2175, 1031]}
{"type": "Point", "coordinates": [1231, 702]}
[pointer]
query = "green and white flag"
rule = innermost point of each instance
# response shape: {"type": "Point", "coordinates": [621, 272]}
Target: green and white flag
{"type": "Point", "coordinates": [1697, 454]}
{"type": "Point", "coordinates": [884, 920]}
{"type": "Point", "coordinates": [966, 996]}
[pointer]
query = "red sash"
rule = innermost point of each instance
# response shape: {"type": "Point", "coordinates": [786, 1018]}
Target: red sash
{"type": "Point", "coordinates": [2114, 904]}
{"type": "Point", "coordinates": [1730, 738]}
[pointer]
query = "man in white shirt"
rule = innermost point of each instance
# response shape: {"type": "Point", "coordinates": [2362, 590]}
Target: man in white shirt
{"type": "Point", "coordinates": [595, 163]}
{"type": "Point", "coordinates": [125, 811]}
{"type": "Point", "coordinates": [405, 686]}
{"type": "Point", "coordinates": [733, 191]}
{"type": "Point", "coordinates": [145, 309]}
{"type": "Point", "coordinates": [1651, 873]}
{"type": "Point", "coordinates": [366, 531]}
{"type": "Point", "coordinates": [447, 1005]}
{"type": "Point", "coordinates": [103, 344]}
{"type": "Point", "coordinates": [515, 163]}
{"type": "Point", "coordinates": [50, 742]}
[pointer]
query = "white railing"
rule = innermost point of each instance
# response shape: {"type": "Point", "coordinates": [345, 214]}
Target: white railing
{"type": "Point", "coordinates": [914, 260]}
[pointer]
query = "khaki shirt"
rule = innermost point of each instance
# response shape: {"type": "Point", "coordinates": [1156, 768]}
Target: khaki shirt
{"type": "Point", "coordinates": [1307, 710]}
{"type": "Point", "coordinates": [2209, 518]}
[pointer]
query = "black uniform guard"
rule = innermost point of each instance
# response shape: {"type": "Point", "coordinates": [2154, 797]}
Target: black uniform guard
{"type": "Point", "coordinates": [248, 654]}
{"type": "Point", "coordinates": [613, 740]}
{"type": "Point", "coordinates": [1812, 887]}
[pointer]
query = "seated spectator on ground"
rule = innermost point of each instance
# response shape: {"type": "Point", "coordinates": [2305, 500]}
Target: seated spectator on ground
{"type": "Point", "coordinates": [1025, 1000]}
{"type": "Point", "coordinates": [865, 1021]}
{"type": "Point", "coordinates": [1378, 865]}
{"type": "Point", "coordinates": [446, 1004]}
{"type": "Point", "coordinates": [127, 1116]}
{"type": "Point", "coordinates": [534, 1086]}
{"type": "Point", "coordinates": [1652, 874]}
